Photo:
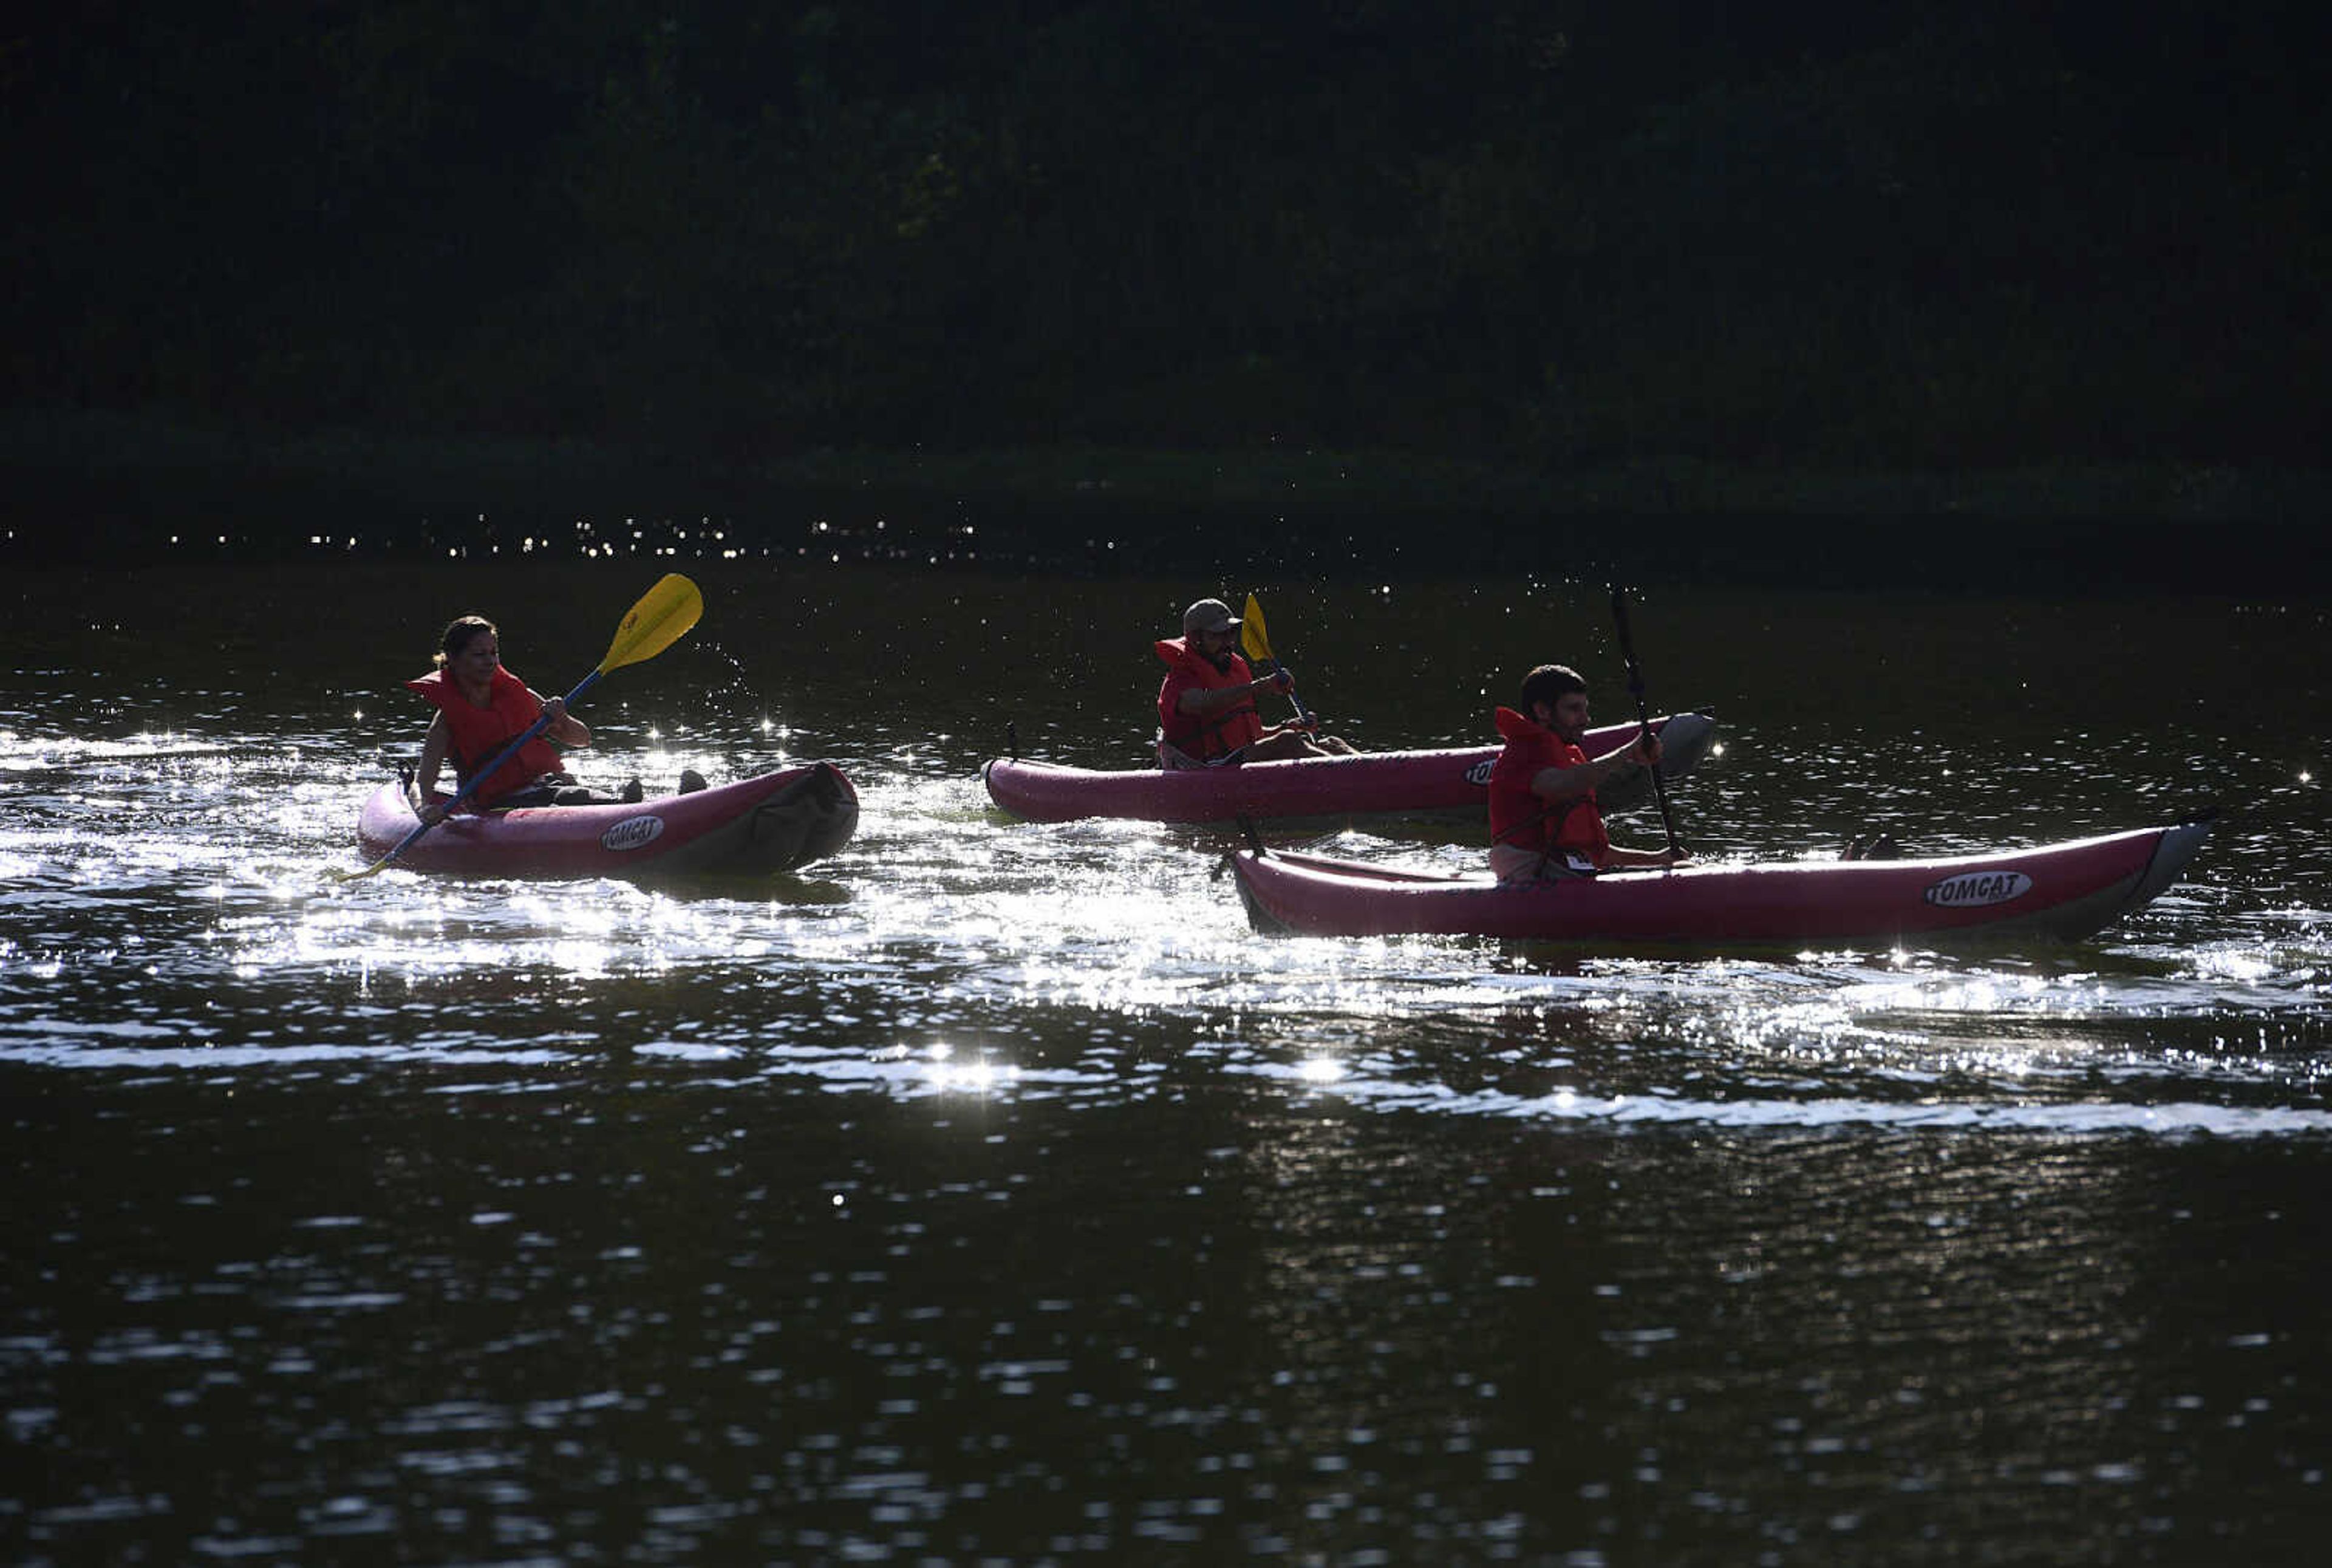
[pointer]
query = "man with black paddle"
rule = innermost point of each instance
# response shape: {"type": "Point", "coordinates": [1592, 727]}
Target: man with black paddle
{"type": "Point", "coordinates": [1544, 819]}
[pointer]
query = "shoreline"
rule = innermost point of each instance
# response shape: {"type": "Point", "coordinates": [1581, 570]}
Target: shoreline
{"type": "Point", "coordinates": [132, 486]}
{"type": "Point", "coordinates": [121, 445]}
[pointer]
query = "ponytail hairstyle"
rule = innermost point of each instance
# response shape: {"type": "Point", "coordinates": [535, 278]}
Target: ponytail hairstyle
{"type": "Point", "coordinates": [459, 635]}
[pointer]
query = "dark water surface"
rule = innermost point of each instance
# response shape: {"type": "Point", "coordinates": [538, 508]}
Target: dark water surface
{"type": "Point", "coordinates": [992, 1194]}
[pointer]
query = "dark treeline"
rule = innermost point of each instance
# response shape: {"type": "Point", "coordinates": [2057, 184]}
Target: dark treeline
{"type": "Point", "coordinates": [1939, 233]}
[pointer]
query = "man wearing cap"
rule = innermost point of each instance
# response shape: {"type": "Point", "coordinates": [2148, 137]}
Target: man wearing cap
{"type": "Point", "coordinates": [1207, 716]}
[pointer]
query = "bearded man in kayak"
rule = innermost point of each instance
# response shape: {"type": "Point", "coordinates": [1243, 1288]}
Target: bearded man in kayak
{"type": "Point", "coordinates": [483, 707]}
{"type": "Point", "coordinates": [1207, 716]}
{"type": "Point", "coordinates": [1544, 819]}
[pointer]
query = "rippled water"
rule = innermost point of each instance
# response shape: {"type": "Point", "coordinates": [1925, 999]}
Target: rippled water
{"type": "Point", "coordinates": [991, 1193]}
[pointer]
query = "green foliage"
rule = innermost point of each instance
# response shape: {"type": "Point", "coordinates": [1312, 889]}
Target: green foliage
{"type": "Point", "coordinates": [1539, 232]}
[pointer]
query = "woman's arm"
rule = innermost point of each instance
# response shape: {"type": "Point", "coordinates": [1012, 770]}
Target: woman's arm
{"type": "Point", "coordinates": [564, 727]}
{"type": "Point", "coordinates": [432, 759]}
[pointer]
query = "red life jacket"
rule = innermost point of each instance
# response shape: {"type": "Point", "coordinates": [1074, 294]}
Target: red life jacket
{"type": "Point", "coordinates": [1197, 736]}
{"type": "Point", "coordinates": [1521, 818]}
{"type": "Point", "coordinates": [478, 735]}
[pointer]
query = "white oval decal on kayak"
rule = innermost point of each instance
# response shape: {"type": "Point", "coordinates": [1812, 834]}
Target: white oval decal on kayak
{"type": "Point", "coordinates": [631, 833]}
{"type": "Point", "coordinates": [1478, 775]}
{"type": "Point", "coordinates": [1978, 888]}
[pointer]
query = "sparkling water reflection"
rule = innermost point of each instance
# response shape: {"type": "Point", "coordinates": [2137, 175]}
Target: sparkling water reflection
{"type": "Point", "coordinates": [991, 1193]}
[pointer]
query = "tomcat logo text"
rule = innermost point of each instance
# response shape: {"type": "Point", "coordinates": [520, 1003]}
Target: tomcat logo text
{"type": "Point", "coordinates": [1978, 888]}
{"type": "Point", "coordinates": [632, 833]}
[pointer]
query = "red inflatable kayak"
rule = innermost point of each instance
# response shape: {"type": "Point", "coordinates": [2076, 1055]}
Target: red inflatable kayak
{"type": "Point", "coordinates": [2056, 891]}
{"type": "Point", "coordinates": [1372, 784]}
{"type": "Point", "coordinates": [772, 822]}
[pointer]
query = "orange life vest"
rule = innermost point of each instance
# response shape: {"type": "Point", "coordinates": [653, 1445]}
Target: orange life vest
{"type": "Point", "coordinates": [1202, 737]}
{"type": "Point", "coordinates": [478, 735]}
{"type": "Point", "coordinates": [1522, 817]}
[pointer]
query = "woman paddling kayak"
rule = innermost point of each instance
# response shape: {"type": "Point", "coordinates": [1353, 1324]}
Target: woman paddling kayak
{"type": "Point", "coordinates": [481, 707]}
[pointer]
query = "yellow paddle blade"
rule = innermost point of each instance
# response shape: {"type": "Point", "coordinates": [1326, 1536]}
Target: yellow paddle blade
{"type": "Point", "coordinates": [1255, 640]}
{"type": "Point", "coordinates": [663, 614]}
